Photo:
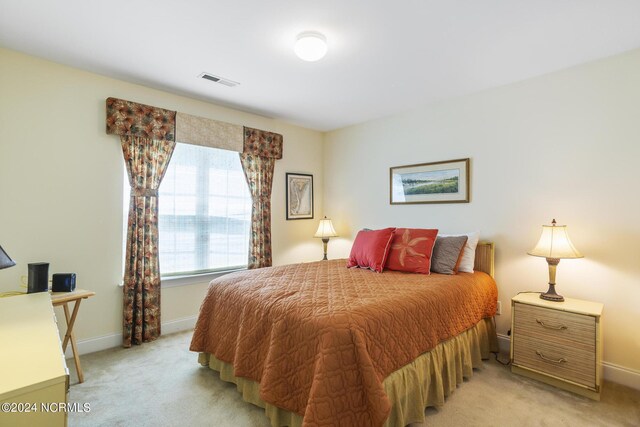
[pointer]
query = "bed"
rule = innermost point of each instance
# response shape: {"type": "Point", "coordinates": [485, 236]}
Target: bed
{"type": "Point", "coordinates": [319, 344]}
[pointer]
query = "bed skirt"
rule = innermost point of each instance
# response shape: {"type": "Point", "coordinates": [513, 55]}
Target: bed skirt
{"type": "Point", "coordinates": [425, 382]}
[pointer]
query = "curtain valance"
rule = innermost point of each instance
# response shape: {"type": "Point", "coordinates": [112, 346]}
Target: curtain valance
{"type": "Point", "coordinates": [262, 143]}
{"type": "Point", "coordinates": [209, 133]}
{"type": "Point", "coordinates": [126, 118]}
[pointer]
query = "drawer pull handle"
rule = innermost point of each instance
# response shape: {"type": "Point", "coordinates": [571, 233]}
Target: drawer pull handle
{"type": "Point", "coordinates": [556, 327]}
{"type": "Point", "coordinates": [546, 359]}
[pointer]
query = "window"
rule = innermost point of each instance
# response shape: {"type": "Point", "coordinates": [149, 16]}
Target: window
{"type": "Point", "coordinates": [204, 212]}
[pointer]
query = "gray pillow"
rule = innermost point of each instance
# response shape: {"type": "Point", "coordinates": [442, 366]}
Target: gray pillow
{"type": "Point", "coordinates": [446, 253]}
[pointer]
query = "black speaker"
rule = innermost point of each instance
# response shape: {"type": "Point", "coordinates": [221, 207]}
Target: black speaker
{"type": "Point", "coordinates": [63, 282]}
{"type": "Point", "coordinates": [38, 277]}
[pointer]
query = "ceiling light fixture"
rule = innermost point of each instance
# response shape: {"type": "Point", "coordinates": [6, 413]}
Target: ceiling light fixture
{"type": "Point", "coordinates": [311, 46]}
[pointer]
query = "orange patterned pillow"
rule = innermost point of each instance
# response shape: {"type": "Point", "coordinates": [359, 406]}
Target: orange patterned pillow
{"type": "Point", "coordinates": [411, 250]}
{"type": "Point", "coordinates": [370, 249]}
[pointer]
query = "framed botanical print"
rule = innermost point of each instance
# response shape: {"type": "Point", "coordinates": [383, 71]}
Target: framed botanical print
{"type": "Point", "coordinates": [299, 196]}
{"type": "Point", "coordinates": [436, 182]}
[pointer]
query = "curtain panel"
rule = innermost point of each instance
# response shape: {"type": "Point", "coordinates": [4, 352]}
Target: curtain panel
{"type": "Point", "coordinates": [147, 136]}
{"type": "Point", "coordinates": [261, 149]}
{"type": "Point", "coordinates": [146, 161]}
{"type": "Point", "coordinates": [259, 173]}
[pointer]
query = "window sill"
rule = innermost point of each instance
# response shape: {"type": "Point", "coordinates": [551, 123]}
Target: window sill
{"type": "Point", "coordinates": [173, 281]}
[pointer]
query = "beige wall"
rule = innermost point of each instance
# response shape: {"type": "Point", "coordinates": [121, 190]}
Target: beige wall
{"type": "Point", "coordinates": [62, 180]}
{"type": "Point", "coordinates": [564, 146]}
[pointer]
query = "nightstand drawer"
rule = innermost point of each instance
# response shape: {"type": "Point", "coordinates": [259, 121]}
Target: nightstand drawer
{"type": "Point", "coordinates": [563, 329]}
{"type": "Point", "coordinates": [563, 361]}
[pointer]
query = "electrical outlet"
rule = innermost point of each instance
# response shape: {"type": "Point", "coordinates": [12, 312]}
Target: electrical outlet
{"type": "Point", "coordinates": [499, 310]}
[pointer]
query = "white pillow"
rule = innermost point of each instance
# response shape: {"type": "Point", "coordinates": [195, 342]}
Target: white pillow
{"type": "Point", "coordinates": [469, 254]}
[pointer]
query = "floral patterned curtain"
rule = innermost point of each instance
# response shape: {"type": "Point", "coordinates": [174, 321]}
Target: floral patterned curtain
{"type": "Point", "coordinates": [261, 149]}
{"type": "Point", "coordinates": [146, 160]}
{"type": "Point", "coordinates": [147, 135]}
{"type": "Point", "coordinates": [133, 119]}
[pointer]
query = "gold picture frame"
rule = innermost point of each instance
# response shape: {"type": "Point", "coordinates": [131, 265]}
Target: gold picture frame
{"type": "Point", "coordinates": [446, 181]}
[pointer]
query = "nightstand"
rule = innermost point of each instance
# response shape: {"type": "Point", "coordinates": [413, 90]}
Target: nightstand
{"type": "Point", "coordinates": [559, 343]}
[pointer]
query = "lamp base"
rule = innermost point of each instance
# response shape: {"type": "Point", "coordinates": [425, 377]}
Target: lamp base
{"type": "Point", "coordinates": [551, 294]}
{"type": "Point", "coordinates": [324, 244]}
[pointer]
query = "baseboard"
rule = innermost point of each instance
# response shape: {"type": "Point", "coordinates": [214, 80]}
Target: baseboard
{"type": "Point", "coordinates": [610, 371]}
{"type": "Point", "coordinates": [621, 375]}
{"type": "Point", "coordinates": [504, 343]}
{"type": "Point", "coordinates": [91, 345]}
{"type": "Point", "coordinates": [179, 325]}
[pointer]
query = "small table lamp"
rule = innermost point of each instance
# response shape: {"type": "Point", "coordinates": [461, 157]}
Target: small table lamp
{"type": "Point", "coordinates": [5, 260]}
{"type": "Point", "coordinates": [554, 244]}
{"type": "Point", "coordinates": [325, 231]}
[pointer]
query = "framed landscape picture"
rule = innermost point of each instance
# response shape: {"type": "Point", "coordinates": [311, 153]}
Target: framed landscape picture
{"type": "Point", "coordinates": [437, 182]}
{"type": "Point", "coordinates": [299, 196]}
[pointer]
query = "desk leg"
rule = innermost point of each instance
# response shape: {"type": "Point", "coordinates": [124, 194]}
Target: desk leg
{"type": "Point", "coordinates": [69, 336]}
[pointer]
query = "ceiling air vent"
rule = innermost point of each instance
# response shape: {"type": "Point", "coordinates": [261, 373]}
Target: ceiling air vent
{"type": "Point", "coordinates": [218, 79]}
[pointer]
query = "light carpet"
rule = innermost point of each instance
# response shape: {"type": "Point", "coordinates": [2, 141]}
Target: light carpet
{"type": "Point", "coordinates": [161, 384]}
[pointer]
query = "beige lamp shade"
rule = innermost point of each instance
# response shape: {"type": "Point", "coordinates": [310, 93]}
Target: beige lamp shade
{"type": "Point", "coordinates": [554, 242]}
{"type": "Point", "coordinates": [325, 229]}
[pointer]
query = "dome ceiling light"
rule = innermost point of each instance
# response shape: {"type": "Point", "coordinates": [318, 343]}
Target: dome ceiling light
{"type": "Point", "coordinates": [310, 46]}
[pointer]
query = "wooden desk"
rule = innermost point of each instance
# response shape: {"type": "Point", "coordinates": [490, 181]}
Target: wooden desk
{"type": "Point", "coordinates": [63, 299]}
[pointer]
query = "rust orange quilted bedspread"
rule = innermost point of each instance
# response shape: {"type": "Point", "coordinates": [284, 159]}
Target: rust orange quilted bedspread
{"type": "Point", "coordinates": [320, 338]}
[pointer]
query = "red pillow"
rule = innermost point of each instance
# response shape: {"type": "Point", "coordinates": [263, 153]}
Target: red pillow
{"type": "Point", "coordinates": [370, 249]}
{"type": "Point", "coordinates": [411, 250]}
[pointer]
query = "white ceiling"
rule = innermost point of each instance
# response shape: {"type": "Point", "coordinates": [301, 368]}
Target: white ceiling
{"type": "Point", "coordinates": [384, 56]}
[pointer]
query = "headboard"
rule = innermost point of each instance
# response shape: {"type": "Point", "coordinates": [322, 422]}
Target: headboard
{"type": "Point", "coordinates": [485, 252]}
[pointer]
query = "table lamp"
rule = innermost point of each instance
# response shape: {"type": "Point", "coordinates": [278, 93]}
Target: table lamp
{"type": "Point", "coordinates": [5, 260]}
{"type": "Point", "coordinates": [325, 231]}
{"type": "Point", "coordinates": [554, 244]}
